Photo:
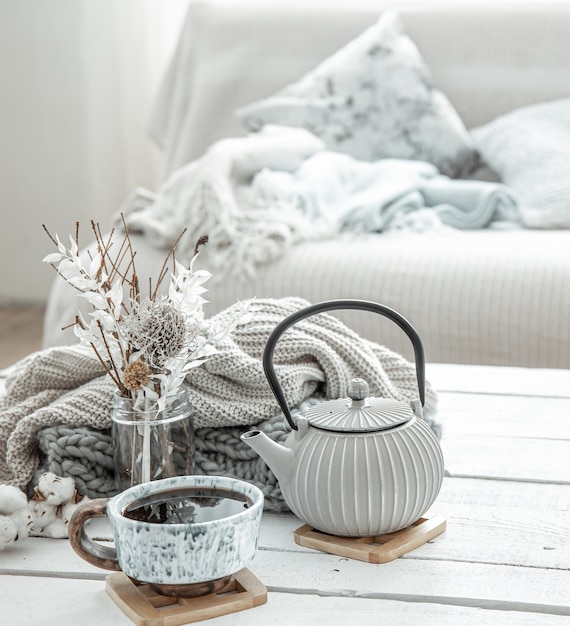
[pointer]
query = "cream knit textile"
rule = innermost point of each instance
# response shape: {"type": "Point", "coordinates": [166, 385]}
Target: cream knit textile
{"type": "Point", "coordinates": [319, 354]}
{"type": "Point", "coordinates": [55, 386]}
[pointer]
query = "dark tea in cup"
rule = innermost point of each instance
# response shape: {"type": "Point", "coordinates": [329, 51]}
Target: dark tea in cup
{"type": "Point", "coordinates": [187, 506]}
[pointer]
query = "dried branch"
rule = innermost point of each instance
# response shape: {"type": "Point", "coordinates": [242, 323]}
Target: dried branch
{"type": "Point", "coordinates": [164, 269]}
{"type": "Point", "coordinates": [127, 248]}
{"type": "Point", "coordinates": [77, 322]}
{"type": "Point", "coordinates": [115, 375]}
{"type": "Point", "coordinates": [109, 371]}
{"type": "Point", "coordinates": [50, 235]}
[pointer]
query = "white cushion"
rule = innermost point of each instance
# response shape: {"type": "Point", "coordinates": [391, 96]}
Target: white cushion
{"type": "Point", "coordinates": [233, 53]}
{"type": "Point", "coordinates": [530, 151]}
{"type": "Point", "coordinates": [373, 99]}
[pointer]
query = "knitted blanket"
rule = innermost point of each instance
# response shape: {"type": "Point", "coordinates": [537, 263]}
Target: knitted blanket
{"type": "Point", "coordinates": [87, 456]}
{"type": "Point", "coordinates": [55, 413]}
{"type": "Point", "coordinates": [258, 195]}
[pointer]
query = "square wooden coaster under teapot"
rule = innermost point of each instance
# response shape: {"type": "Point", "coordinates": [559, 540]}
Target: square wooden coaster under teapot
{"type": "Point", "coordinates": [379, 549]}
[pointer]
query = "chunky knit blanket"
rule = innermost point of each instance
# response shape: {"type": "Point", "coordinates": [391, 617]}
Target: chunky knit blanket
{"type": "Point", "coordinates": [55, 414]}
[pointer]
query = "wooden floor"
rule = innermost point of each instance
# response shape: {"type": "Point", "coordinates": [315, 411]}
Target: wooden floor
{"type": "Point", "coordinates": [20, 333]}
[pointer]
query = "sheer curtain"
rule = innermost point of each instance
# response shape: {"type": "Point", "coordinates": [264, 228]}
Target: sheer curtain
{"type": "Point", "coordinates": [124, 46]}
{"type": "Point", "coordinates": [78, 81]}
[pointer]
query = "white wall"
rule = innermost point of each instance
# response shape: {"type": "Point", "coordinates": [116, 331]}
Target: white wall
{"type": "Point", "coordinates": [76, 84]}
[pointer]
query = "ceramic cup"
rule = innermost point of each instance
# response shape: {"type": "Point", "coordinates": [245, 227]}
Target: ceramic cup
{"type": "Point", "coordinates": [184, 535]}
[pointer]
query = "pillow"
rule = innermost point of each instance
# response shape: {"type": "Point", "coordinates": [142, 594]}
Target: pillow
{"type": "Point", "coordinates": [529, 149]}
{"type": "Point", "coordinates": [373, 99]}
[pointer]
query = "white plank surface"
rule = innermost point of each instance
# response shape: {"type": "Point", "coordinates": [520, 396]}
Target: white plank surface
{"type": "Point", "coordinates": [504, 416]}
{"type": "Point", "coordinates": [539, 460]}
{"type": "Point", "coordinates": [84, 602]}
{"type": "Point", "coordinates": [448, 570]}
{"type": "Point", "coordinates": [504, 559]}
{"type": "Point", "coordinates": [499, 380]}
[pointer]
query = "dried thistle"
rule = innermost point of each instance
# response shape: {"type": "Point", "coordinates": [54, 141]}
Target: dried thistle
{"type": "Point", "coordinates": [157, 331]}
{"type": "Point", "coordinates": [136, 375]}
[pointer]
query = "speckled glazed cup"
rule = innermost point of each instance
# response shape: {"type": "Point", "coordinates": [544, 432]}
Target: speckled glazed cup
{"type": "Point", "coordinates": [184, 556]}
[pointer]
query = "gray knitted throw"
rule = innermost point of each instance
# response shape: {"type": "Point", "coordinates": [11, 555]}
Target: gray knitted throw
{"type": "Point", "coordinates": [55, 414]}
{"type": "Point", "coordinates": [87, 456]}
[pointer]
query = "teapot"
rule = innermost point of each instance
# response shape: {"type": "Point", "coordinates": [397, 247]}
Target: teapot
{"type": "Point", "coordinates": [357, 466]}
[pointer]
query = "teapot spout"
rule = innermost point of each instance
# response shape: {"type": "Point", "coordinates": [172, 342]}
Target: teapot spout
{"type": "Point", "coordinates": [278, 457]}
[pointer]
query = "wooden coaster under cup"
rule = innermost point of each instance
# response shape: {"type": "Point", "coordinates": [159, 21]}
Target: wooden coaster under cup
{"type": "Point", "coordinates": [146, 607]}
{"type": "Point", "coordinates": [379, 549]}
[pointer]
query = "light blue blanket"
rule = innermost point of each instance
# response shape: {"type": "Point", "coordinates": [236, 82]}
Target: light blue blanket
{"type": "Point", "coordinates": [390, 194]}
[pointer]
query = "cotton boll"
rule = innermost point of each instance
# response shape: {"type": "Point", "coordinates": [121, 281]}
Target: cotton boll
{"type": "Point", "coordinates": [49, 511]}
{"type": "Point", "coordinates": [11, 499]}
{"type": "Point", "coordinates": [59, 528]}
{"type": "Point", "coordinates": [9, 531]}
{"type": "Point", "coordinates": [13, 509]}
{"type": "Point", "coordinates": [68, 509]}
{"type": "Point", "coordinates": [46, 515]}
{"type": "Point", "coordinates": [54, 489]}
{"type": "Point", "coordinates": [40, 515]}
{"type": "Point", "coordinates": [55, 530]}
{"type": "Point", "coordinates": [23, 519]}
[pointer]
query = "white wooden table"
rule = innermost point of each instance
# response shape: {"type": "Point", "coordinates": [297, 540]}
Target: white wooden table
{"type": "Point", "coordinates": [504, 558]}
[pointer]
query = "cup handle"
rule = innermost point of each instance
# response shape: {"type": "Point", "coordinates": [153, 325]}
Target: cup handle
{"type": "Point", "coordinates": [89, 550]}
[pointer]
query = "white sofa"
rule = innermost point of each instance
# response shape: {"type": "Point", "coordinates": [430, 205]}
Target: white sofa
{"type": "Point", "coordinates": [489, 296]}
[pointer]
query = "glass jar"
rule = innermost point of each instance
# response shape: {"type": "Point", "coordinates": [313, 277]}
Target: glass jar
{"type": "Point", "coordinates": [151, 444]}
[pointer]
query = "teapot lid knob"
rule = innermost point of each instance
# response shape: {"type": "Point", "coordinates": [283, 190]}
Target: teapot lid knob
{"type": "Point", "coordinates": [358, 389]}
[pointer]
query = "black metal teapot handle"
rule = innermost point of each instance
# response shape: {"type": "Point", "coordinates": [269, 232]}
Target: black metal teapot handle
{"type": "Point", "coordinates": [331, 305]}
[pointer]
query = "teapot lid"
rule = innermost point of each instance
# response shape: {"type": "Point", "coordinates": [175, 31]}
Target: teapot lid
{"type": "Point", "coordinates": [358, 413]}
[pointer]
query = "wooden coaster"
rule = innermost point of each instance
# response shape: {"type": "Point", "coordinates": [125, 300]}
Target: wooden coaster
{"type": "Point", "coordinates": [379, 549]}
{"type": "Point", "coordinates": [145, 607]}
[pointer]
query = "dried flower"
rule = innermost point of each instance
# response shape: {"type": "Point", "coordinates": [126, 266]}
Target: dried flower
{"type": "Point", "coordinates": [136, 375]}
{"type": "Point", "coordinates": [158, 330]}
{"type": "Point", "coordinates": [147, 345]}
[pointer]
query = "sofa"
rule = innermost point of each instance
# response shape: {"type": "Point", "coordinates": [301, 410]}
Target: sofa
{"type": "Point", "coordinates": [494, 77]}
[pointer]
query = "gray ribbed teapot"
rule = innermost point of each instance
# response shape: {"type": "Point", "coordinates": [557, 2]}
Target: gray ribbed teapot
{"type": "Point", "coordinates": [357, 466]}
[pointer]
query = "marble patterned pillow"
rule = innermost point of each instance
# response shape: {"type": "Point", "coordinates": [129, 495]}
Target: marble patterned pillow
{"type": "Point", "coordinates": [373, 99]}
